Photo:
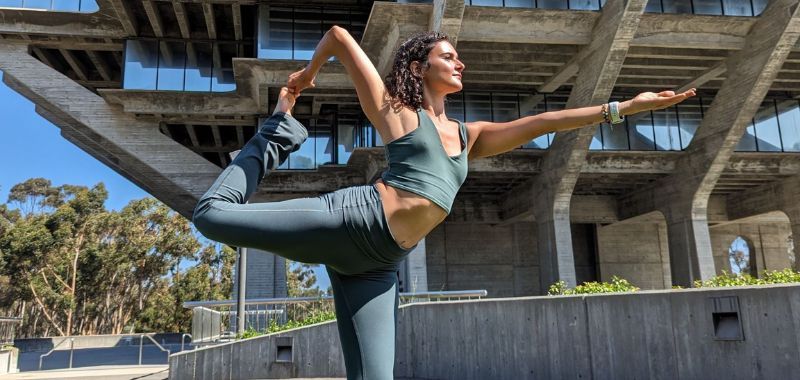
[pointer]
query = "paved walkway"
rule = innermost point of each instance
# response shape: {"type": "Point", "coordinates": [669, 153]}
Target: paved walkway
{"type": "Point", "coordinates": [144, 372]}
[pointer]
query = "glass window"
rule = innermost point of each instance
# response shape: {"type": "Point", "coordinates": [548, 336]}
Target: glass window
{"type": "Point", "coordinates": [767, 132]}
{"type": "Point", "coordinates": [198, 66]}
{"type": "Point", "coordinates": [640, 129]}
{"type": "Point", "coordinates": [534, 105]}
{"type": "Point", "coordinates": [222, 58]}
{"type": "Point", "coordinates": [36, 4]}
{"type": "Point", "coordinates": [690, 114]}
{"type": "Point", "coordinates": [519, 3]}
{"type": "Point", "coordinates": [275, 38]}
{"type": "Point", "coordinates": [737, 7]}
{"type": "Point", "coordinates": [11, 3]}
{"type": "Point", "coordinates": [323, 145]}
{"type": "Point", "coordinates": [789, 120]}
{"type": "Point", "coordinates": [597, 140]}
{"type": "Point", "coordinates": [89, 6]}
{"type": "Point", "coordinates": [591, 5]}
{"type": "Point", "coordinates": [616, 137]}
{"type": "Point", "coordinates": [454, 106]}
{"type": "Point", "coordinates": [667, 133]}
{"type": "Point", "coordinates": [677, 6]}
{"type": "Point", "coordinates": [303, 158]}
{"type": "Point", "coordinates": [504, 107]}
{"type": "Point", "coordinates": [748, 141]}
{"type": "Point", "coordinates": [653, 6]}
{"type": "Point", "coordinates": [171, 63]}
{"type": "Point", "coordinates": [478, 106]}
{"type": "Point", "coordinates": [707, 7]}
{"type": "Point", "coordinates": [758, 6]}
{"type": "Point", "coordinates": [67, 5]}
{"type": "Point", "coordinates": [553, 4]}
{"type": "Point", "coordinates": [346, 138]}
{"type": "Point", "coordinates": [487, 3]}
{"type": "Point", "coordinates": [141, 65]}
{"type": "Point", "coordinates": [739, 256]}
{"type": "Point", "coordinates": [307, 31]}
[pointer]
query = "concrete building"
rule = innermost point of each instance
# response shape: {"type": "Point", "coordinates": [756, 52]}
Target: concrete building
{"type": "Point", "coordinates": [162, 91]}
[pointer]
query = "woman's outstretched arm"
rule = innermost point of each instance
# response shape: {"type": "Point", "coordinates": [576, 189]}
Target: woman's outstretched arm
{"type": "Point", "coordinates": [495, 138]}
{"type": "Point", "coordinates": [338, 42]}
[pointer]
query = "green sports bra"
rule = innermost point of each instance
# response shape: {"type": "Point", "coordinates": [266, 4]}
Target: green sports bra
{"type": "Point", "coordinates": [418, 163]}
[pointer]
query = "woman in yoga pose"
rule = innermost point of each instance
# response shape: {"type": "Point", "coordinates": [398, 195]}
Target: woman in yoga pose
{"type": "Point", "coordinates": [362, 233]}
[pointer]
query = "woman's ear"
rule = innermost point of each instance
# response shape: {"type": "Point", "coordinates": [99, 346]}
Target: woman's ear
{"type": "Point", "coordinates": [416, 69]}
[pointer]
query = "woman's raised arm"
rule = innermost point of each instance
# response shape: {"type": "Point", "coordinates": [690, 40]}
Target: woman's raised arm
{"type": "Point", "coordinates": [495, 138]}
{"type": "Point", "coordinates": [338, 42]}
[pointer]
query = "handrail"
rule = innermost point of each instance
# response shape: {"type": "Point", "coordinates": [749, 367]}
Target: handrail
{"type": "Point", "coordinates": [183, 339]}
{"type": "Point", "coordinates": [71, 349]}
{"type": "Point", "coordinates": [141, 344]}
{"type": "Point", "coordinates": [273, 301]}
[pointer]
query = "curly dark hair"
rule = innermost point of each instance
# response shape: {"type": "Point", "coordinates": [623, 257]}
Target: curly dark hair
{"type": "Point", "coordinates": [404, 87]}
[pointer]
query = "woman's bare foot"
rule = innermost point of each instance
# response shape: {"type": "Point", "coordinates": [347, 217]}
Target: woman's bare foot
{"type": "Point", "coordinates": [286, 100]}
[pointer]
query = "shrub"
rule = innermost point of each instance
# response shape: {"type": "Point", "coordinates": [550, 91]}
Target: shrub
{"type": "Point", "coordinates": [616, 285]}
{"type": "Point", "coordinates": [316, 317]}
{"type": "Point", "coordinates": [784, 276]}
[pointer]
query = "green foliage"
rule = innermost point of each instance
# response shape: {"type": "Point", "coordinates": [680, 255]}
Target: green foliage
{"type": "Point", "coordinates": [616, 285]}
{"type": "Point", "coordinates": [81, 269]}
{"type": "Point", "coordinates": [317, 316]}
{"type": "Point", "coordinates": [770, 277]}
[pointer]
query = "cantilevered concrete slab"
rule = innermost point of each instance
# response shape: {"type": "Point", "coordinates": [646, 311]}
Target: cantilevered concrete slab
{"type": "Point", "coordinates": [683, 196]}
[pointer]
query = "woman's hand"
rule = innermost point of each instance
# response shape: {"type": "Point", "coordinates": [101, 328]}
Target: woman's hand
{"type": "Point", "coordinates": [648, 101]}
{"type": "Point", "coordinates": [300, 80]}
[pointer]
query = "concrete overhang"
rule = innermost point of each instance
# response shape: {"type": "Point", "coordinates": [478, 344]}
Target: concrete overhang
{"type": "Point", "coordinates": [178, 102]}
{"type": "Point", "coordinates": [101, 24]}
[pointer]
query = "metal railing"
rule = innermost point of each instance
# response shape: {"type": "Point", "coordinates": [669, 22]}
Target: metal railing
{"type": "Point", "coordinates": [142, 337]}
{"type": "Point", "coordinates": [7, 326]}
{"type": "Point", "coordinates": [215, 321]}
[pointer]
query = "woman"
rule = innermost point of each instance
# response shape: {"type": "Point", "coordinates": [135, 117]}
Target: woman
{"type": "Point", "coordinates": [362, 233]}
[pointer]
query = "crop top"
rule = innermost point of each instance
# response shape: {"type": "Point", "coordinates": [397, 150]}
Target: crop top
{"type": "Point", "coordinates": [418, 163]}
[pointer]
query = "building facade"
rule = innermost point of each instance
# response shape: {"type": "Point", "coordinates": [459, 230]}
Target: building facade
{"type": "Point", "coordinates": [163, 91]}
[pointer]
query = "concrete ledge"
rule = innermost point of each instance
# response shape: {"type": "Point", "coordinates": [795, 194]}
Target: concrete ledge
{"type": "Point", "coordinates": [663, 334]}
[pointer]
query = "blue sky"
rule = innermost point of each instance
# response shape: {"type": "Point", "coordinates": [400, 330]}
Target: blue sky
{"type": "Point", "coordinates": [33, 147]}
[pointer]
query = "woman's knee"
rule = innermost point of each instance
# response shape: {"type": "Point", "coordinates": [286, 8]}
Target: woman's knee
{"type": "Point", "coordinates": [206, 220]}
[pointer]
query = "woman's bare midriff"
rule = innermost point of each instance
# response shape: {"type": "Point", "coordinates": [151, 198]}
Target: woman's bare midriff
{"type": "Point", "coordinates": [410, 216]}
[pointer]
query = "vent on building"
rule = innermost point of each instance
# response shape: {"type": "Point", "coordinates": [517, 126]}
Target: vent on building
{"type": "Point", "coordinates": [726, 317]}
{"type": "Point", "coordinates": [283, 349]}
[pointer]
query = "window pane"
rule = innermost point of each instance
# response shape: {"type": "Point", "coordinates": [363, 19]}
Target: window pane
{"type": "Point", "coordinates": [89, 6]}
{"type": "Point", "coordinates": [198, 66]}
{"type": "Point", "coordinates": [504, 107]}
{"type": "Point", "coordinates": [454, 106]}
{"type": "Point", "coordinates": [737, 7]}
{"type": "Point", "coordinates": [346, 133]}
{"type": "Point", "coordinates": [591, 5]}
{"type": "Point", "coordinates": [303, 158]}
{"type": "Point", "coordinates": [11, 3]}
{"type": "Point", "coordinates": [666, 129]}
{"type": "Point", "coordinates": [616, 137]}
{"type": "Point", "coordinates": [488, 3]}
{"type": "Point", "coordinates": [519, 3]}
{"type": "Point", "coordinates": [707, 7]}
{"type": "Point", "coordinates": [748, 141]}
{"type": "Point", "coordinates": [323, 147]}
{"type": "Point", "coordinates": [690, 114]}
{"type": "Point", "coordinates": [533, 105]}
{"type": "Point", "coordinates": [640, 129]}
{"type": "Point", "coordinates": [275, 38]}
{"type": "Point", "coordinates": [552, 4]}
{"type": "Point", "coordinates": [597, 140]}
{"type": "Point", "coordinates": [478, 106]}
{"type": "Point", "coordinates": [171, 61]}
{"type": "Point", "coordinates": [769, 139]}
{"type": "Point", "coordinates": [653, 6]}
{"type": "Point", "coordinates": [67, 5]}
{"type": "Point", "coordinates": [677, 6]}
{"type": "Point", "coordinates": [307, 31]}
{"type": "Point", "coordinates": [758, 6]}
{"type": "Point", "coordinates": [789, 119]}
{"type": "Point", "coordinates": [141, 65]}
{"type": "Point", "coordinates": [36, 4]}
{"type": "Point", "coordinates": [223, 67]}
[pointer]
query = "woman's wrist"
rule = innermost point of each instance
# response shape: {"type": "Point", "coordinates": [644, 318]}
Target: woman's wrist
{"type": "Point", "coordinates": [625, 108]}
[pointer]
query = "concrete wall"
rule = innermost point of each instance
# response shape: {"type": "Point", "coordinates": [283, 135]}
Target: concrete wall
{"type": "Point", "coordinates": [8, 361]}
{"type": "Point", "coordinates": [769, 244]}
{"type": "Point", "coordinates": [667, 334]}
{"type": "Point", "coordinates": [88, 341]}
{"type": "Point", "coordinates": [637, 252]}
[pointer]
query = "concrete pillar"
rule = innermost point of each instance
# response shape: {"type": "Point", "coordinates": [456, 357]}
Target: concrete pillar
{"type": "Point", "coordinates": [266, 275]}
{"type": "Point", "coordinates": [446, 17]}
{"type": "Point", "coordinates": [794, 220]}
{"type": "Point", "coordinates": [414, 270]}
{"type": "Point", "coordinates": [690, 255]}
{"type": "Point", "coordinates": [135, 149]}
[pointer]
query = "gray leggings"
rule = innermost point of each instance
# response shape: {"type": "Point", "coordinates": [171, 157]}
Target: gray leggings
{"type": "Point", "coordinates": [345, 230]}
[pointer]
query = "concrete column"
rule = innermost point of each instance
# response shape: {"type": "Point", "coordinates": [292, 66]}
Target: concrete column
{"type": "Point", "coordinates": [794, 220]}
{"type": "Point", "coordinates": [446, 17]}
{"type": "Point", "coordinates": [135, 149]}
{"type": "Point", "coordinates": [266, 275]}
{"type": "Point", "coordinates": [683, 196]}
{"type": "Point", "coordinates": [598, 65]}
{"type": "Point", "coordinates": [414, 270]}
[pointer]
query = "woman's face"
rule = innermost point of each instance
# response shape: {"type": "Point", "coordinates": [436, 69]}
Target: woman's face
{"type": "Point", "coordinates": [443, 74]}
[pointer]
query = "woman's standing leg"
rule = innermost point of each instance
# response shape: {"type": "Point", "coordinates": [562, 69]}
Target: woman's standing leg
{"type": "Point", "coordinates": [366, 314]}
